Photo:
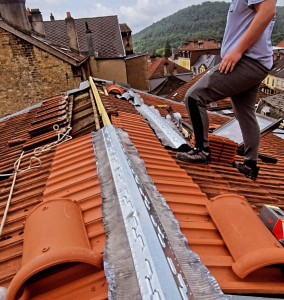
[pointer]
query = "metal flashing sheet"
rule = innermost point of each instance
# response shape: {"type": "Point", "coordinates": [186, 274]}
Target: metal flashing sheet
{"type": "Point", "coordinates": [164, 131]}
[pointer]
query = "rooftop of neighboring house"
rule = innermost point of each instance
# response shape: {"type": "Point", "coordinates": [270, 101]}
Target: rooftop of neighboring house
{"type": "Point", "coordinates": [277, 101]}
{"type": "Point", "coordinates": [160, 67]}
{"type": "Point", "coordinates": [167, 86]}
{"type": "Point", "coordinates": [194, 45]}
{"type": "Point", "coordinates": [278, 69]}
{"type": "Point", "coordinates": [67, 55]}
{"type": "Point", "coordinates": [208, 60]}
{"type": "Point", "coordinates": [178, 94]}
{"type": "Point", "coordinates": [124, 28]}
{"type": "Point", "coordinates": [281, 44]}
{"type": "Point", "coordinates": [105, 31]}
{"type": "Point", "coordinates": [61, 188]}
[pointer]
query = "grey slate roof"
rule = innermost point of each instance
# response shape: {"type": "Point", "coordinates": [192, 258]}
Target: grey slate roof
{"type": "Point", "coordinates": [207, 60]}
{"type": "Point", "coordinates": [278, 69]}
{"type": "Point", "coordinates": [106, 35]}
{"type": "Point", "coordinates": [276, 101]}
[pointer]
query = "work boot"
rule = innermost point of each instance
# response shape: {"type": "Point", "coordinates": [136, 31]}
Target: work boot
{"type": "Point", "coordinates": [249, 172]}
{"type": "Point", "coordinates": [195, 155]}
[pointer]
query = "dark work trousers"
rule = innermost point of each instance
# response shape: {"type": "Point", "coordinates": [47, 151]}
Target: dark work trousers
{"type": "Point", "coordinates": [242, 86]}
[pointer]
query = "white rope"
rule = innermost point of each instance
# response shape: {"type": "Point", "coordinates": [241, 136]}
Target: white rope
{"type": "Point", "coordinates": [61, 138]}
{"type": "Point", "coordinates": [10, 195]}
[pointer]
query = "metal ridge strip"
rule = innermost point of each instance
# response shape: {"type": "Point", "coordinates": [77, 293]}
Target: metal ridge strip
{"type": "Point", "coordinates": [156, 275]}
{"type": "Point", "coordinates": [161, 127]}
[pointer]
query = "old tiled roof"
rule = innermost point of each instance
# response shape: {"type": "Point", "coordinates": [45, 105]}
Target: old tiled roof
{"type": "Point", "coordinates": [105, 31]}
{"type": "Point", "coordinates": [206, 46]}
{"type": "Point", "coordinates": [68, 173]}
{"type": "Point", "coordinates": [156, 68]}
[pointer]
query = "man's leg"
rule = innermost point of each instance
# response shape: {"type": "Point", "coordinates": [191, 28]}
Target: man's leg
{"type": "Point", "coordinates": [244, 108]}
{"type": "Point", "coordinates": [214, 86]}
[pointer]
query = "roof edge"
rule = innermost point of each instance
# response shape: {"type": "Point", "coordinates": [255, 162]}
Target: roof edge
{"type": "Point", "coordinates": [42, 45]}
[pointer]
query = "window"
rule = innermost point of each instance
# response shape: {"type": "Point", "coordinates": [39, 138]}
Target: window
{"type": "Point", "coordinates": [231, 129]}
{"type": "Point", "coordinates": [267, 81]}
{"type": "Point", "coordinates": [272, 82]}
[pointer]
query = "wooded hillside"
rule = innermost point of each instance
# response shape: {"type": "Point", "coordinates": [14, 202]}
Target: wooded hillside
{"type": "Point", "coordinates": [207, 20]}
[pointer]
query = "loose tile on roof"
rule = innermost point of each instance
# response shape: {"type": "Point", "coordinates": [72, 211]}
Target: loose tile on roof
{"type": "Point", "coordinates": [73, 176]}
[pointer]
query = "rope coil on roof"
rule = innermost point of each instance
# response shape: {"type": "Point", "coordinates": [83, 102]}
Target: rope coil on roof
{"type": "Point", "coordinates": [61, 138]}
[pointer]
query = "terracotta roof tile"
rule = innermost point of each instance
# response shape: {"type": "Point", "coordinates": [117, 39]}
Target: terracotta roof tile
{"type": "Point", "coordinates": [222, 104]}
{"type": "Point", "coordinates": [156, 68]}
{"type": "Point", "coordinates": [69, 172]}
{"type": "Point", "coordinates": [189, 205]}
{"type": "Point", "coordinates": [206, 46]}
{"type": "Point", "coordinates": [281, 44]}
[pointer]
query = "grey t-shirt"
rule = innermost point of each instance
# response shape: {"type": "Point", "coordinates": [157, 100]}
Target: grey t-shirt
{"type": "Point", "coordinates": [240, 15]}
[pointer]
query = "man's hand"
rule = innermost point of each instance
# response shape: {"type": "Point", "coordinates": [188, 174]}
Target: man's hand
{"type": "Point", "coordinates": [229, 61]}
{"type": "Point", "coordinates": [265, 12]}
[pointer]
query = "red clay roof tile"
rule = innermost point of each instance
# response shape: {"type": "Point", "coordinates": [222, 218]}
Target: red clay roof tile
{"type": "Point", "coordinates": [186, 187]}
{"type": "Point", "coordinates": [189, 206]}
{"type": "Point", "coordinates": [156, 68]}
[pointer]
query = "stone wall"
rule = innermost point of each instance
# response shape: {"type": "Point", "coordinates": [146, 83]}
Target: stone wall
{"type": "Point", "coordinates": [29, 74]}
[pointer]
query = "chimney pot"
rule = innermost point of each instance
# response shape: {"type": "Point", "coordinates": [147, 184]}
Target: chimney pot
{"type": "Point", "coordinates": [68, 15]}
{"type": "Point", "coordinates": [52, 17]}
{"type": "Point", "coordinates": [28, 12]}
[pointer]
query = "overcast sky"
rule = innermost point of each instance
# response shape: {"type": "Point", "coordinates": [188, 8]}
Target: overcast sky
{"type": "Point", "coordinates": [138, 14]}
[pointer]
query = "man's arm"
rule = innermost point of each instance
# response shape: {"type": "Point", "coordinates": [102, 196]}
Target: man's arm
{"type": "Point", "coordinates": [265, 11]}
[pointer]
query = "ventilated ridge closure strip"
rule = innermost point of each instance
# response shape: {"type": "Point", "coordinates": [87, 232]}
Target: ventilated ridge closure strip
{"type": "Point", "coordinates": [156, 274]}
{"type": "Point", "coordinates": [168, 136]}
{"type": "Point", "coordinates": [184, 263]}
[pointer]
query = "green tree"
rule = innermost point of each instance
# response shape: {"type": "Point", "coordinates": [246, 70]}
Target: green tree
{"type": "Point", "coordinates": [168, 50]}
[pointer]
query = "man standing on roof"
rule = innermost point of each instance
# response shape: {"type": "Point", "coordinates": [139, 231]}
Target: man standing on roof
{"type": "Point", "coordinates": [246, 60]}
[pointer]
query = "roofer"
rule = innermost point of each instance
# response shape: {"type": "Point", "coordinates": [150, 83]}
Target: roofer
{"type": "Point", "coordinates": [246, 60]}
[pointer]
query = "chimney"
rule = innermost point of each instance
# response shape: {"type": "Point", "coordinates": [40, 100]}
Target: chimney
{"type": "Point", "coordinates": [35, 18]}
{"type": "Point", "coordinates": [166, 68]}
{"type": "Point", "coordinates": [52, 17]}
{"type": "Point", "coordinates": [14, 13]}
{"type": "Point", "coordinates": [219, 44]}
{"type": "Point", "coordinates": [90, 42]}
{"type": "Point", "coordinates": [71, 32]}
{"type": "Point", "coordinates": [200, 45]}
